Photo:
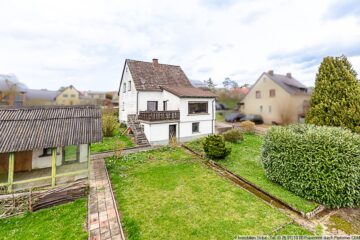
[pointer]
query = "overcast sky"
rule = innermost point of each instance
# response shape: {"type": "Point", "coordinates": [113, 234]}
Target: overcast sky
{"type": "Point", "coordinates": [48, 44]}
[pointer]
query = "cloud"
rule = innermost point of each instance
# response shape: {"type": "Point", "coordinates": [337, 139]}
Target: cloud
{"type": "Point", "coordinates": [48, 44]}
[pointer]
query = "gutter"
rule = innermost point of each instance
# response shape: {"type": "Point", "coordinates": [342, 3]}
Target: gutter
{"type": "Point", "coordinates": [213, 118]}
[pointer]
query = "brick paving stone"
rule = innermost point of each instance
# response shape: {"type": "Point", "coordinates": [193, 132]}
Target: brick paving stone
{"type": "Point", "coordinates": [103, 218]}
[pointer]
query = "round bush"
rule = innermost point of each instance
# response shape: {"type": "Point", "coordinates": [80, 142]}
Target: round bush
{"type": "Point", "coordinates": [317, 163]}
{"type": "Point", "coordinates": [215, 147]}
{"type": "Point", "coordinates": [247, 126]}
{"type": "Point", "coordinates": [233, 135]}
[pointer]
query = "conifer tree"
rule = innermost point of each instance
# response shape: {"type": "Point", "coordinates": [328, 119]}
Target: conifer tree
{"type": "Point", "coordinates": [336, 98]}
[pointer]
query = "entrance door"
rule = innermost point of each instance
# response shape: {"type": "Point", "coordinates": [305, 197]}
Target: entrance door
{"type": "Point", "coordinates": [23, 161]}
{"type": "Point", "coordinates": [172, 131]}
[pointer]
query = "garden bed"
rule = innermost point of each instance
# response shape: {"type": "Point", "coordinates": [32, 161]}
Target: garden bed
{"type": "Point", "coordinates": [244, 161]}
{"type": "Point", "coordinates": [169, 194]}
{"type": "Point", "coordinates": [66, 221]}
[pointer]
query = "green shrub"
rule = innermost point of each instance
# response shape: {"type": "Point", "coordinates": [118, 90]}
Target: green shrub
{"type": "Point", "coordinates": [233, 135]}
{"type": "Point", "coordinates": [215, 147]}
{"type": "Point", "coordinates": [317, 163]}
{"type": "Point", "coordinates": [109, 125]}
{"type": "Point", "coordinates": [247, 126]}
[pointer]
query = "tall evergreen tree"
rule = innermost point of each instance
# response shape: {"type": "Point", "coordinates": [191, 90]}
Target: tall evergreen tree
{"type": "Point", "coordinates": [336, 98]}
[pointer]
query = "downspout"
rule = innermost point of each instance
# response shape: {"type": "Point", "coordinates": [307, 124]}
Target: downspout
{"type": "Point", "coordinates": [137, 103]}
{"type": "Point", "coordinates": [213, 119]}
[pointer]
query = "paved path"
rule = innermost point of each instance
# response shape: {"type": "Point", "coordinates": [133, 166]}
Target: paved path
{"type": "Point", "coordinates": [103, 217]}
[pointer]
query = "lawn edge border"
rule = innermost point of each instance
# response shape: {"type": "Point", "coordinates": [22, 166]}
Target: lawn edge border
{"type": "Point", "coordinates": [308, 215]}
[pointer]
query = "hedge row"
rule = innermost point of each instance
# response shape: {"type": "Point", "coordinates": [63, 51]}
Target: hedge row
{"type": "Point", "coordinates": [317, 163]}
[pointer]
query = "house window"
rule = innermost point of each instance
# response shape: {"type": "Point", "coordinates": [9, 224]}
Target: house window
{"type": "Point", "coordinates": [261, 108]}
{"type": "Point", "coordinates": [124, 87]}
{"type": "Point", "coordinates": [129, 83]}
{"type": "Point", "coordinates": [258, 94]}
{"type": "Point", "coordinates": [272, 93]}
{"type": "Point", "coordinates": [195, 127]}
{"type": "Point", "coordinates": [46, 152]}
{"type": "Point", "coordinates": [70, 154]}
{"type": "Point", "coordinates": [269, 109]}
{"type": "Point", "coordinates": [65, 95]}
{"type": "Point", "coordinates": [165, 105]}
{"type": "Point", "coordinates": [73, 95]}
{"type": "Point", "coordinates": [198, 107]}
{"type": "Point", "coordinates": [123, 106]}
{"type": "Point", "coordinates": [152, 105]}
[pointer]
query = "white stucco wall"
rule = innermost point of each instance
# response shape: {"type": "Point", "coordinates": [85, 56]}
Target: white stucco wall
{"type": "Point", "coordinates": [144, 97]}
{"type": "Point", "coordinates": [127, 98]}
{"type": "Point", "coordinates": [45, 162]}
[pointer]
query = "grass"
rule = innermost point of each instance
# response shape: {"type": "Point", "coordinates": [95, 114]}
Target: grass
{"type": "Point", "coordinates": [169, 194]}
{"type": "Point", "coordinates": [61, 222]}
{"type": "Point", "coordinates": [338, 222]}
{"type": "Point", "coordinates": [108, 143]}
{"type": "Point", "coordinates": [220, 117]}
{"type": "Point", "coordinates": [244, 160]}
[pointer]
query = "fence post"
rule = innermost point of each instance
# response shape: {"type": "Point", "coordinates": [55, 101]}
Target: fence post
{"type": "Point", "coordinates": [11, 172]}
{"type": "Point", "coordinates": [53, 166]}
{"type": "Point", "coordinates": [88, 160]}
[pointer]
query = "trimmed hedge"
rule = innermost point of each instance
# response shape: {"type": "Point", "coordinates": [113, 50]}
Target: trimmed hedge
{"type": "Point", "coordinates": [247, 126]}
{"type": "Point", "coordinates": [317, 163]}
{"type": "Point", "coordinates": [233, 135]}
{"type": "Point", "coordinates": [215, 147]}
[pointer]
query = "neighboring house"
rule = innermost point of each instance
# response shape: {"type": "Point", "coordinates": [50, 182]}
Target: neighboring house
{"type": "Point", "coordinates": [93, 97]}
{"type": "Point", "coordinates": [38, 97]}
{"type": "Point", "coordinates": [47, 145]}
{"type": "Point", "coordinates": [68, 96]}
{"type": "Point", "coordinates": [12, 92]}
{"type": "Point", "coordinates": [278, 98]}
{"type": "Point", "coordinates": [160, 99]}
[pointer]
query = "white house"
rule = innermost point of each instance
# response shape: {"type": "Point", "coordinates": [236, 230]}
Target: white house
{"type": "Point", "coordinates": [159, 101]}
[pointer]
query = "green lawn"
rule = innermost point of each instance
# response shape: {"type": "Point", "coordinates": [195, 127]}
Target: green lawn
{"type": "Point", "coordinates": [170, 194]}
{"type": "Point", "coordinates": [108, 143]}
{"type": "Point", "coordinates": [220, 117]}
{"type": "Point", "coordinates": [66, 221]}
{"type": "Point", "coordinates": [244, 160]}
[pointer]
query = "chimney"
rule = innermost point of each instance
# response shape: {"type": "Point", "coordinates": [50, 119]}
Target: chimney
{"type": "Point", "coordinates": [155, 62]}
{"type": "Point", "coordinates": [271, 72]}
{"type": "Point", "coordinates": [288, 75]}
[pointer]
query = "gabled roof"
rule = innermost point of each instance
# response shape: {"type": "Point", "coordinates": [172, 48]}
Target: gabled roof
{"type": "Point", "coordinates": [288, 83]}
{"type": "Point", "coordinates": [29, 128]}
{"type": "Point", "coordinates": [184, 92]}
{"type": "Point", "coordinates": [42, 94]}
{"type": "Point", "coordinates": [150, 76]}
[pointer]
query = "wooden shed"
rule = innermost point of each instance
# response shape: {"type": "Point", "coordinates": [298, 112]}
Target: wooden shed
{"type": "Point", "coordinates": [46, 145]}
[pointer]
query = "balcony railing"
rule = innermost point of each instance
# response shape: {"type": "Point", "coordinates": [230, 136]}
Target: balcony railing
{"type": "Point", "coordinates": [159, 115]}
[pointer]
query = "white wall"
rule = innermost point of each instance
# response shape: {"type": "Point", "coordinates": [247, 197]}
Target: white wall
{"type": "Point", "coordinates": [128, 98]}
{"type": "Point", "coordinates": [144, 97]}
{"type": "Point", "coordinates": [158, 133]}
{"type": "Point", "coordinates": [45, 162]}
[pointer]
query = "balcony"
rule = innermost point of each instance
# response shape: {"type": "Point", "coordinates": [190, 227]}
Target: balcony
{"type": "Point", "coordinates": [159, 115]}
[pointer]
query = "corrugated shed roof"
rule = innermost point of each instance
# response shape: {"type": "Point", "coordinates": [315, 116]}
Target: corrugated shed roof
{"type": "Point", "coordinates": [150, 76]}
{"type": "Point", "coordinates": [29, 128]}
{"type": "Point", "coordinates": [189, 92]}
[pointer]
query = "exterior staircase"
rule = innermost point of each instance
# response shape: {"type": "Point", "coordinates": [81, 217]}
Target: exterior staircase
{"type": "Point", "coordinates": [134, 124]}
